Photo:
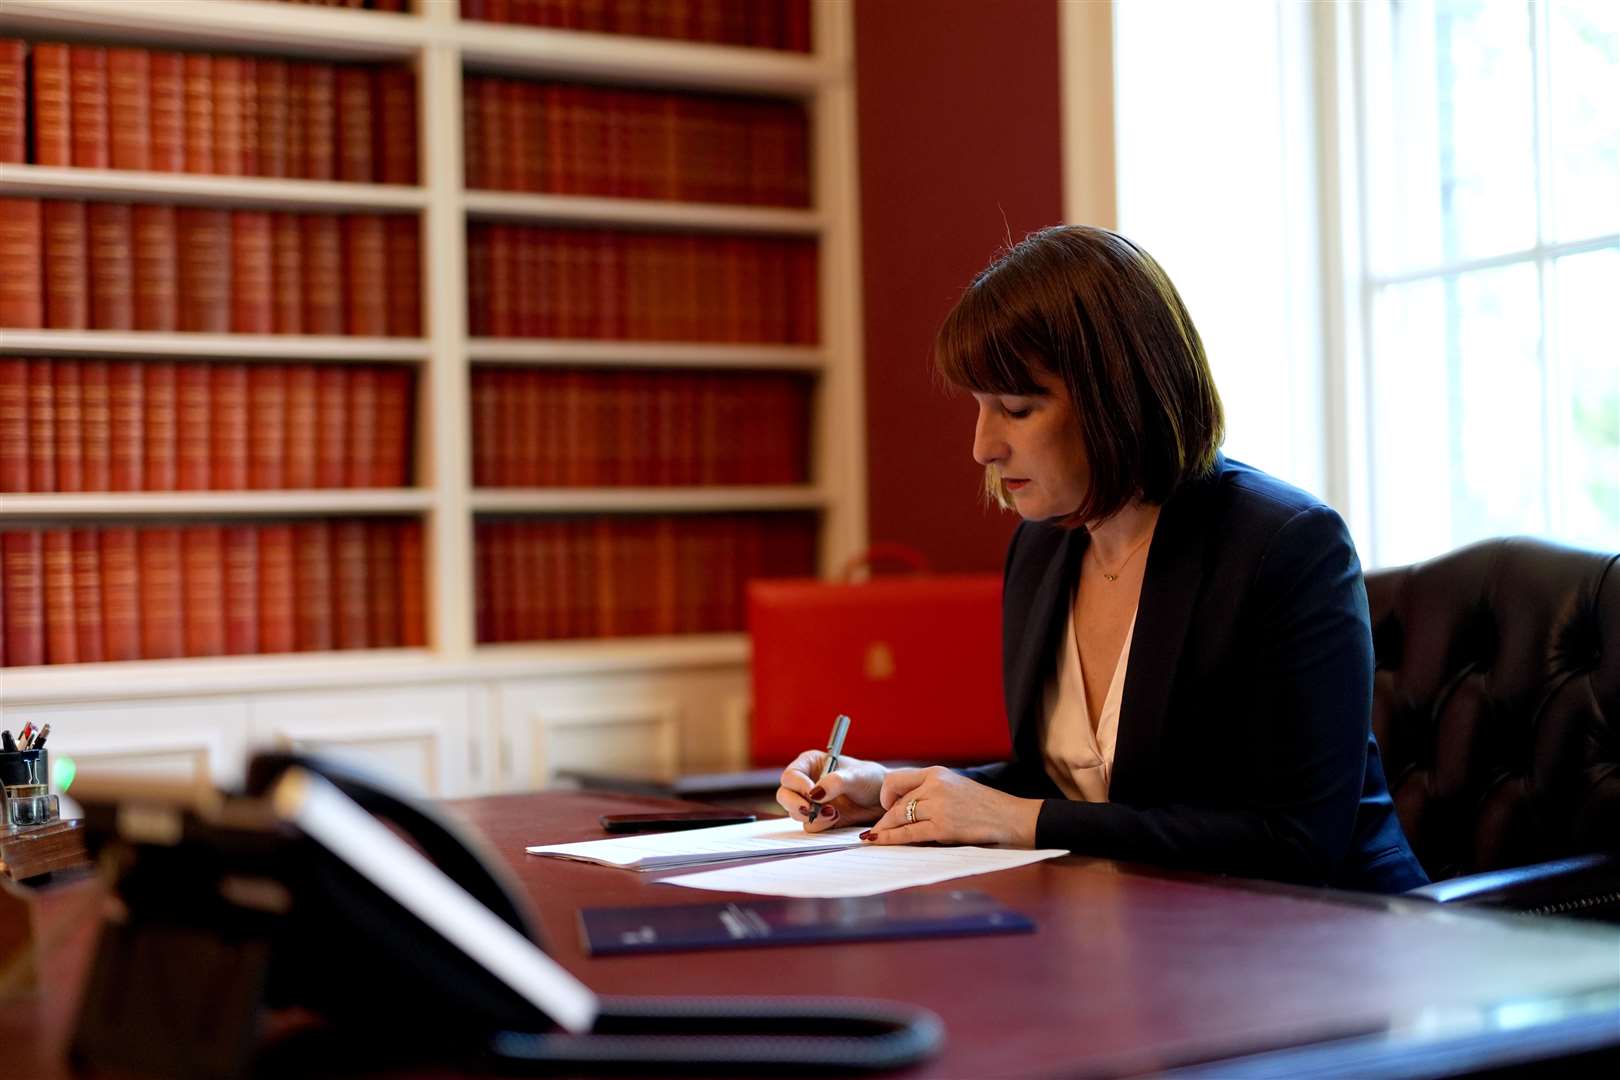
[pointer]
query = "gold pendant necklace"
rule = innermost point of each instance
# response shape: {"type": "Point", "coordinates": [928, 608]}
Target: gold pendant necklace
{"type": "Point", "coordinates": [1128, 557]}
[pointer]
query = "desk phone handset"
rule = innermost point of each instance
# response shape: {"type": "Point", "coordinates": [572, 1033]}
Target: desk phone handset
{"type": "Point", "coordinates": [292, 925]}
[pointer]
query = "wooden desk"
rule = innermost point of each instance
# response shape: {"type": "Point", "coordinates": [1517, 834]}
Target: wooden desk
{"type": "Point", "coordinates": [1127, 973]}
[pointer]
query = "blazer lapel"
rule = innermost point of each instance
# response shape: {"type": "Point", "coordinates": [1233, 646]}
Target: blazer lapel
{"type": "Point", "coordinates": [1048, 607]}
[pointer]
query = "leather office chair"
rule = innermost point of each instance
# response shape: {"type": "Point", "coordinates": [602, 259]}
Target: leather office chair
{"type": "Point", "coordinates": [1497, 708]}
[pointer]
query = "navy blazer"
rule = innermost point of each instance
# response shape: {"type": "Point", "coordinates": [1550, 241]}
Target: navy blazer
{"type": "Point", "coordinates": [1245, 744]}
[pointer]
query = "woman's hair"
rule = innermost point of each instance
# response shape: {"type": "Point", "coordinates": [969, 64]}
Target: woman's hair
{"type": "Point", "coordinates": [1087, 306]}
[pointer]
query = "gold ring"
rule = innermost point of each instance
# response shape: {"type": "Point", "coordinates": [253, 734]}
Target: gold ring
{"type": "Point", "coordinates": [911, 812]}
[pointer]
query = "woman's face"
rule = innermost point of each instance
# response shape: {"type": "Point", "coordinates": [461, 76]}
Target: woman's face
{"type": "Point", "coordinates": [1033, 442]}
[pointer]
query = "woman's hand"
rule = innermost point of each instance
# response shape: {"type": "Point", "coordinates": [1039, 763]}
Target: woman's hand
{"type": "Point", "coordinates": [951, 809]}
{"type": "Point", "coordinates": [848, 795]}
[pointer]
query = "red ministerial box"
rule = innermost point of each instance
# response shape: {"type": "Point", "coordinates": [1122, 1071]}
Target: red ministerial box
{"type": "Point", "coordinates": [915, 662]}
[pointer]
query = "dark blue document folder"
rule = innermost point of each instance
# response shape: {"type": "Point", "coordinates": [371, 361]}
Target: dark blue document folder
{"type": "Point", "coordinates": [750, 923]}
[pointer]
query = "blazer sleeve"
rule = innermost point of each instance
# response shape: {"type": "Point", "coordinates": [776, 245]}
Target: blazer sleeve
{"type": "Point", "coordinates": [1299, 749]}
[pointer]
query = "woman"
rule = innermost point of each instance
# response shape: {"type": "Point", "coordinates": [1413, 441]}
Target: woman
{"type": "Point", "coordinates": [1186, 648]}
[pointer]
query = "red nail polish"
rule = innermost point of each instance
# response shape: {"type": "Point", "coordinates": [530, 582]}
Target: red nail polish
{"type": "Point", "coordinates": [868, 835]}
{"type": "Point", "coordinates": [817, 794]}
{"type": "Point", "coordinates": [828, 812]}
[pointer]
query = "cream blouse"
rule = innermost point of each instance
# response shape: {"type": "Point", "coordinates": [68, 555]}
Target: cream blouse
{"type": "Point", "coordinates": [1079, 756]}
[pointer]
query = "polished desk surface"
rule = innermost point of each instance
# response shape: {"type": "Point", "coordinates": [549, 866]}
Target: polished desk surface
{"type": "Point", "coordinates": [1128, 971]}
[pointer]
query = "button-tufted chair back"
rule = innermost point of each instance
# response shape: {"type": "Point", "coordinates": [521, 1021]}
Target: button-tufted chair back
{"type": "Point", "coordinates": [1497, 703]}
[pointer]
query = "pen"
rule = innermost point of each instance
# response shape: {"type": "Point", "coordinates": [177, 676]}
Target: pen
{"type": "Point", "coordinates": [39, 740]}
{"type": "Point", "coordinates": [7, 742]}
{"type": "Point", "coordinates": [23, 735]}
{"type": "Point", "coordinates": [835, 746]}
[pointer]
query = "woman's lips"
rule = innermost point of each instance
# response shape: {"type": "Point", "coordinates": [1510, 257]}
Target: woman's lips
{"type": "Point", "coordinates": [1014, 485]}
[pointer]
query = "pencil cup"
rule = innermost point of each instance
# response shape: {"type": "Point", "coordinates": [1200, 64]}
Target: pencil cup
{"type": "Point", "coordinates": [26, 775]}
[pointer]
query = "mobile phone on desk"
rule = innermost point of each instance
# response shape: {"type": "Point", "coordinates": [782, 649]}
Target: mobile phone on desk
{"type": "Point", "coordinates": [670, 821]}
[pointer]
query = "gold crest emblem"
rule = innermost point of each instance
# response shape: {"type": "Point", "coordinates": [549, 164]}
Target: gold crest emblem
{"type": "Point", "coordinates": [879, 661]}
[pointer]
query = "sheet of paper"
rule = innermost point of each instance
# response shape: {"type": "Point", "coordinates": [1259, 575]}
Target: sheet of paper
{"type": "Point", "coordinates": [864, 871]}
{"type": "Point", "coordinates": [692, 847]}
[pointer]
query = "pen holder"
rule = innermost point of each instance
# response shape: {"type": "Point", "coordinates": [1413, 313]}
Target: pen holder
{"type": "Point", "coordinates": [26, 777]}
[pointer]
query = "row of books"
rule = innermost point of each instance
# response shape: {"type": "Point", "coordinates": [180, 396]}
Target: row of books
{"type": "Point", "coordinates": [162, 591]}
{"type": "Point", "coordinates": [583, 428]}
{"type": "Point", "coordinates": [96, 425]}
{"type": "Point", "coordinates": [98, 107]}
{"type": "Point", "coordinates": [551, 578]}
{"type": "Point", "coordinates": [369, 5]}
{"type": "Point", "coordinates": [568, 139]}
{"type": "Point", "coordinates": [71, 265]}
{"type": "Point", "coordinates": [549, 282]}
{"type": "Point", "coordinates": [768, 24]}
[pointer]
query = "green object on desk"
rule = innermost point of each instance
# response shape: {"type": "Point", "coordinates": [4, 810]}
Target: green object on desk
{"type": "Point", "coordinates": [63, 770]}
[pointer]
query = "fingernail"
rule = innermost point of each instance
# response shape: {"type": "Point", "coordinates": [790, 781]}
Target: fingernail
{"type": "Point", "coordinates": [868, 835]}
{"type": "Point", "coordinates": [817, 794]}
{"type": "Point", "coordinates": [828, 812]}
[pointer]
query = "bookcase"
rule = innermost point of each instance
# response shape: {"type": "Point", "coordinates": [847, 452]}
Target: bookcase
{"type": "Point", "coordinates": [482, 692]}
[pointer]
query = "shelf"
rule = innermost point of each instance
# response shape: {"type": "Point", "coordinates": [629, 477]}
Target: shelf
{"type": "Point", "coordinates": [610, 654]}
{"type": "Point", "coordinates": [327, 501]}
{"type": "Point", "coordinates": [645, 500]}
{"type": "Point", "coordinates": [622, 59]}
{"type": "Point", "coordinates": [644, 354]}
{"type": "Point", "coordinates": [149, 343]}
{"type": "Point", "coordinates": [582, 209]}
{"type": "Point", "coordinates": [246, 25]}
{"type": "Point", "coordinates": [125, 185]}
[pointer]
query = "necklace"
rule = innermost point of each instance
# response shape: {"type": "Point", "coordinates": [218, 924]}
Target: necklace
{"type": "Point", "coordinates": [1129, 555]}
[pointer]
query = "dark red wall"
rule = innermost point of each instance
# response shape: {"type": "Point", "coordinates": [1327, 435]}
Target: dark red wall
{"type": "Point", "coordinates": [959, 147]}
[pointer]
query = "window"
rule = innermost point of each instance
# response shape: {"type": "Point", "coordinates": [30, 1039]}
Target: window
{"type": "Point", "coordinates": [1490, 287]}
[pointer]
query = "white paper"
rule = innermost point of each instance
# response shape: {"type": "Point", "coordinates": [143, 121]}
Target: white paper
{"type": "Point", "coordinates": [864, 871]}
{"type": "Point", "coordinates": [694, 847]}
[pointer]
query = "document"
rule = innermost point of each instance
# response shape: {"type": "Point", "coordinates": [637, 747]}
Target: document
{"type": "Point", "coordinates": [862, 871]}
{"type": "Point", "coordinates": [695, 847]}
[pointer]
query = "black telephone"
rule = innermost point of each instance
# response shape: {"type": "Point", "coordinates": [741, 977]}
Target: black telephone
{"type": "Point", "coordinates": [282, 928]}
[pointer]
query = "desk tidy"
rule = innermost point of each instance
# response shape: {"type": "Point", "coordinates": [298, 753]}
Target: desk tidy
{"type": "Point", "coordinates": [34, 840]}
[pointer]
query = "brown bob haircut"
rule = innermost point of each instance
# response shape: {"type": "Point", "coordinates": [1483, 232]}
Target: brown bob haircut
{"type": "Point", "coordinates": [1087, 306]}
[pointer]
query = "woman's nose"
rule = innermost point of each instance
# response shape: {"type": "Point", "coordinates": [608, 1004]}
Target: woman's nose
{"type": "Point", "coordinates": [988, 445]}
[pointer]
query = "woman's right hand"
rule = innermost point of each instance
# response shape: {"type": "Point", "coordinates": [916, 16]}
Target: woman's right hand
{"type": "Point", "coordinates": [849, 795]}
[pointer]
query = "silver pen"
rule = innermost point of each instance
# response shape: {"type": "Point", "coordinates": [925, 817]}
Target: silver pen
{"type": "Point", "coordinates": [835, 746]}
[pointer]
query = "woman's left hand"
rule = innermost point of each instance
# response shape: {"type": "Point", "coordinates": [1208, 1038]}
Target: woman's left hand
{"type": "Point", "coordinates": [951, 809]}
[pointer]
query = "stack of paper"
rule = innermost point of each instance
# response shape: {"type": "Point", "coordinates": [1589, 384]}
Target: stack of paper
{"type": "Point", "coordinates": [696, 847]}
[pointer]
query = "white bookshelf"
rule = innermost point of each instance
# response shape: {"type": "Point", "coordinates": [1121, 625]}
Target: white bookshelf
{"type": "Point", "coordinates": [706, 675]}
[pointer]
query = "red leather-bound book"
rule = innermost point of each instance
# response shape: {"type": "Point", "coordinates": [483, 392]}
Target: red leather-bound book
{"type": "Point", "coordinates": [13, 102]}
{"type": "Point", "coordinates": [228, 391]}
{"type": "Point", "coordinates": [351, 558]}
{"type": "Point", "coordinates": [300, 427]}
{"type": "Point", "coordinates": [126, 426]}
{"type": "Point", "coordinates": [525, 464]}
{"type": "Point", "coordinates": [67, 279]}
{"type": "Point", "coordinates": [664, 596]}
{"type": "Point", "coordinates": [525, 104]}
{"type": "Point", "coordinates": [53, 123]}
{"type": "Point", "coordinates": [501, 587]}
{"type": "Point", "coordinates": [87, 101]}
{"type": "Point", "coordinates": [227, 115]}
{"type": "Point", "coordinates": [22, 290]}
{"type": "Point", "coordinates": [312, 586]}
{"type": "Point", "coordinates": [194, 436]}
{"type": "Point", "coordinates": [298, 120]}
{"type": "Point", "coordinates": [360, 450]}
{"type": "Point", "coordinates": [365, 275]}
{"type": "Point", "coordinates": [472, 132]}
{"type": "Point", "coordinates": [162, 409]}
{"type": "Point", "coordinates": [247, 162]}
{"type": "Point", "coordinates": [287, 274]}
{"type": "Point", "coordinates": [483, 584]}
{"type": "Point", "coordinates": [87, 622]}
{"type": "Point", "coordinates": [252, 273]}
{"type": "Point", "coordinates": [13, 423]}
{"type": "Point", "coordinates": [270, 78]}
{"type": "Point", "coordinates": [485, 433]}
{"type": "Point", "coordinates": [412, 586]}
{"type": "Point", "coordinates": [22, 562]}
{"type": "Point", "coordinates": [323, 274]}
{"type": "Point", "coordinates": [404, 270]}
{"type": "Point", "coordinates": [390, 464]}
{"type": "Point", "coordinates": [479, 258]}
{"type": "Point", "coordinates": [61, 634]}
{"type": "Point", "coordinates": [120, 594]}
{"type": "Point", "coordinates": [67, 393]}
{"type": "Point", "coordinates": [497, 171]}
{"type": "Point", "coordinates": [95, 413]}
{"type": "Point", "coordinates": [590, 131]}
{"type": "Point", "coordinates": [382, 583]}
{"type": "Point", "coordinates": [796, 25]}
{"type": "Point", "coordinates": [804, 289]}
{"type": "Point", "coordinates": [521, 585]}
{"type": "Point", "coordinates": [267, 427]}
{"type": "Point", "coordinates": [198, 81]}
{"type": "Point", "coordinates": [354, 124]}
{"type": "Point", "coordinates": [129, 78]}
{"type": "Point", "coordinates": [241, 582]}
{"type": "Point", "coordinates": [331, 426]}
{"type": "Point", "coordinates": [203, 553]}
{"type": "Point", "coordinates": [320, 120]}
{"type": "Point", "coordinates": [395, 152]}
{"type": "Point", "coordinates": [503, 298]}
{"type": "Point", "coordinates": [559, 174]}
{"type": "Point", "coordinates": [204, 245]}
{"type": "Point", "coordinates": [163, 632]}
{"type": "Point", "coordinates": [278, 623]}
{"type": "Point", "coordinates": [166, 112]}
{"type": "Point", "coordinates": [156, 274]}
{"type": "Point", "coordinates": [41, 427]}
{"type": "Point", "coordinates": [112, 265]}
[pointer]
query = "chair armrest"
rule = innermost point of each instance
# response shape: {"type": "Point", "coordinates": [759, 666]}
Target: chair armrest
{"type": "Point", "coordinates": [1563, 886]}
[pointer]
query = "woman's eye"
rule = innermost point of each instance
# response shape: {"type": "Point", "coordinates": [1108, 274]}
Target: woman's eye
{"type": "Point", "coordinates": [1016, 414]}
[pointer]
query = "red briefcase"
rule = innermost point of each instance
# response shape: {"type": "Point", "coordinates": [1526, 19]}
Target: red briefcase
{"type": "Point", "coordinates": [914, 661]}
